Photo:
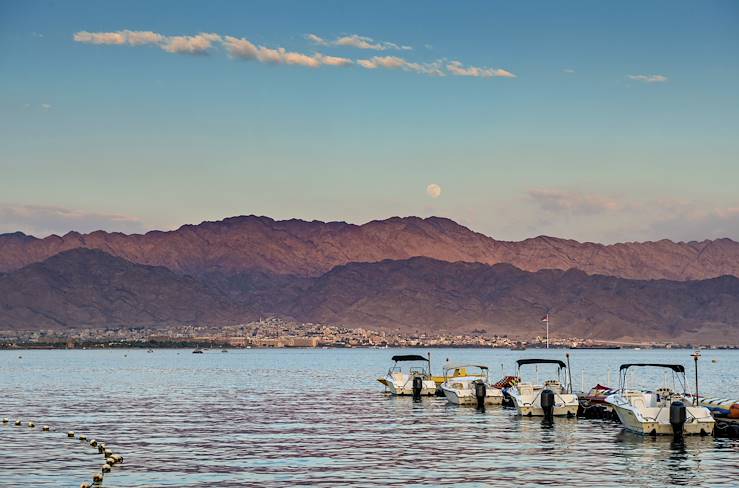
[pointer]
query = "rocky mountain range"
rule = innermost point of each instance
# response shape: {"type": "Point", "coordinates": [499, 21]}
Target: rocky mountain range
{"type": "Point", "coordinates": [401, 273]}
{"type": "Point", "coordinates": [89, 288]}
{"type": "Point", "coordinates": [309, 249]}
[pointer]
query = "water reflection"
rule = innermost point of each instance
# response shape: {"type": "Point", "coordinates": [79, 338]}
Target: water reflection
{"type": "Point", "coordinates": [274, 418]}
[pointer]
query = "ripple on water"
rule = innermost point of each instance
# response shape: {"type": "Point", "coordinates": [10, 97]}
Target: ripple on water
{"type": "Point", "coordinates": [278, 417]}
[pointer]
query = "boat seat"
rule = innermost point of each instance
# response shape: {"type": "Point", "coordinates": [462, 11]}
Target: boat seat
{"type": "Point", "coordinates": [525, 389]}
{"type": "Point", "coordinates": [638, 403]}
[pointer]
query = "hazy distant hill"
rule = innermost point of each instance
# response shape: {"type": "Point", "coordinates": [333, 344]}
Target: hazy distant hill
{"type": "Point", "coordinates": [425, 294]}
{"type": "Point", "coordinates": [90, 288]}
{"type": "Point", "coordinates": [300, 248]}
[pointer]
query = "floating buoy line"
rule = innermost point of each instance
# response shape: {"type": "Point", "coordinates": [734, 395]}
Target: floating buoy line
{"type": "Point", "coordinates": [110, 458]}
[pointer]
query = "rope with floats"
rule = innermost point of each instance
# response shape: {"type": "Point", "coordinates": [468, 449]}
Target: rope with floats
{"type": "Point", "coordinates": [111, 459]}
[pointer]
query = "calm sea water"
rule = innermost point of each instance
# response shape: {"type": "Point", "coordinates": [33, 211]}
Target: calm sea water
{"type": "Point", "coordinates": [319, 417]}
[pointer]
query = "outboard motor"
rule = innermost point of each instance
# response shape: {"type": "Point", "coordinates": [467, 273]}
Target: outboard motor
{"type": "Point", "coordinates": [678, 416]}
{"type": "Point", "coordinates": [547, 404]}
{"type": "Point", "coordinates": [481, 392]}
{"type": "Point", "coordinates": [417, 387]}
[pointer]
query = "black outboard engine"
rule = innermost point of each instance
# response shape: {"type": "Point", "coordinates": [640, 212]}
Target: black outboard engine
{"type": "Point", "coordinates": [417, 387]}
{"type": "Point", "coordinates": [481, 392]}
{"type": "Point", "coordinates": [678, 416]}
{"type": "Point", "coordinates": [547, 404]}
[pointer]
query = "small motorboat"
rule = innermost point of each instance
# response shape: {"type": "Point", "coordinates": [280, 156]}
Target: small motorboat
{"type": "Point", "coordinates": [597, 396]}
{"type": "Point", "coordinates": [660, 412]}
{"type": "Point", "coordinates": [198, 351]}
{"type": "Point", "coordinates": [417, 381]}
{"type": "Point", "coordinates": [721, 407]}
{"type": "Point", "coordinates": [547, 400]}
{"type": "Point", "coordinates": [469, 384]}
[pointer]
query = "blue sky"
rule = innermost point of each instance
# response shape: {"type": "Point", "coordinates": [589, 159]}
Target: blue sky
{"type": "Point", "coordinates": [602, 121]}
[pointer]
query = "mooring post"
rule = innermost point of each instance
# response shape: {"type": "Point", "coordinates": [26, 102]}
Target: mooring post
{"type": "Point", "coordinates": [696, 355]}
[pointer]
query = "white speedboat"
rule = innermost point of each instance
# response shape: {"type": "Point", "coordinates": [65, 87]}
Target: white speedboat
{"type": "Point", "coordinates": [660, 412]}
{"type": "Point", "coordinates": [416, 381]}
{"type": "Point", "coordinates": [549, 399]}
{"type": "Point", "coordinates": [469, 384]}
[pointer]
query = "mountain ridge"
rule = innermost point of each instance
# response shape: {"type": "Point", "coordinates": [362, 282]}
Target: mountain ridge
{"type": "Point", "coordinates": [89, 288]}
{"type": "Point", "coordinates": [311, 248]}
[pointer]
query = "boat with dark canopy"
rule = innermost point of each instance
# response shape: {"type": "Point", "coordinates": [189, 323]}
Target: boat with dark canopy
{"type": "Point", "coordinates": [553, 398]}
{"type": "Point", "coordinates": [663, 411]}
{"type": "Point", "coordinates": [416, 380]}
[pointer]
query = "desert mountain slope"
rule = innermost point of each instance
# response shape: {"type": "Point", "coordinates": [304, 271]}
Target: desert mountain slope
{"type": "Point", "coordinates": [88, 288]}
{"type": "Point", "coordinates": [309, 249]}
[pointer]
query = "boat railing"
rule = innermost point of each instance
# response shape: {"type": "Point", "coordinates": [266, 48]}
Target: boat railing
{"type": "Point", "coordinates": [417, 370]}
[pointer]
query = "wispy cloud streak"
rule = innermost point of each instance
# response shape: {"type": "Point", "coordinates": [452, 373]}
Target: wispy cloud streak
{"type": "Point", "coordinates": [41, 220]}
{"type": "Point", "coordinates": [357, 41]}
{"type": "Point", "coordinates": [244, 49]}
{"type": "Point", "coordinates": [648, 78]}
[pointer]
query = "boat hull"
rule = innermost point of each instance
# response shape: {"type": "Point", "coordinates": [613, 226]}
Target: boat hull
{"type": "Point", "coordinates": [565, 404]}
{"type": "Point", "coordinates": [406, 388]}
{"type": "Point", "coordinates": [464, 397]}
{"type": "Point", "coordinates": [700, 421]}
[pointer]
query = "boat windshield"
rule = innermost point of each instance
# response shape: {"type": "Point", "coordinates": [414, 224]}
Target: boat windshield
{"type": "Point", "coordinates": [460, 370]}
{"type": "Point", "coordinates": [678, 375]}
{"type": "Point", "coordinates": [561, 366]}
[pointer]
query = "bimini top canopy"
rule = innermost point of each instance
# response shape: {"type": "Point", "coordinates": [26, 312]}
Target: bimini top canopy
{"type": "Point", "coordinates": [448, 366]}
{"type": "Point", "coordinates": [678, 368]}
{"type": "Point", "coordinates": [410, 357]}
{"type": "Point", "coordinates": [521, 362]}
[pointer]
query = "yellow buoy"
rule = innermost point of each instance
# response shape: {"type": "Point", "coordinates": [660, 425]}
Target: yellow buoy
{"type": "Point", "coordinates": [31, 425]}
{"type": "Point", "coordinates": [70, 433]}
{"type": "Point", "coordinates": [108, 453]}
{"type": "Point", "coordinates": [93, 443]}
{"type": "Point", "coordinates": [85, 485]}
{"type": "Point", "coordinates": [45, 428]}
{"type": "Point", "coordinates": [83, 437]}
{"type": "Point", "coordinates": [5, 420]}
{"type": "Point", "coordinates": [17, 422]}
{"type": "Point", "coordinates": [97, 478]}
{"type": "Point", "coordinates": [105, 468]}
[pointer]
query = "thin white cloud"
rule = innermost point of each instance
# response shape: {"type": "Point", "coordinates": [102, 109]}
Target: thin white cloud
{"type": "Point", "coordinates": [100, 37]}
{"type": "Point", "coordinates": [198, 44]}
{"type": "Point", "coordinates": [394, 62]}
{"type": "Point", "coordinates": [553, 200]}
{"type": "Point", "coordinates": [45, 107]}
{"type": "Point", "coordinates": [569, 71]}
{"type": "Point", "coordinates": [648, 78]}
{"type": "Point", "coordinates": [40, 220]}
{"type": "Point", "coordinates": [333, 60]}
{"type": "Point", "coordinates": [458, 69]}
{"type": "Point", "coordinates": [204, 42]}
{"type": "Point", "coordinates": [616, 218]}
{"type": "Point", "coordinates": [137, 38]}
{"type": "Point", "coordinates": [242, 48]}
{"type": "Point", "coordinates": [357, 41]}
{"type": "Point", "coordinates": [435, 68]}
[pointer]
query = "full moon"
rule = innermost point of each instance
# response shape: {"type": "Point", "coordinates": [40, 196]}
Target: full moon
{"type": "Point", "coordinates": [433, 190]}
